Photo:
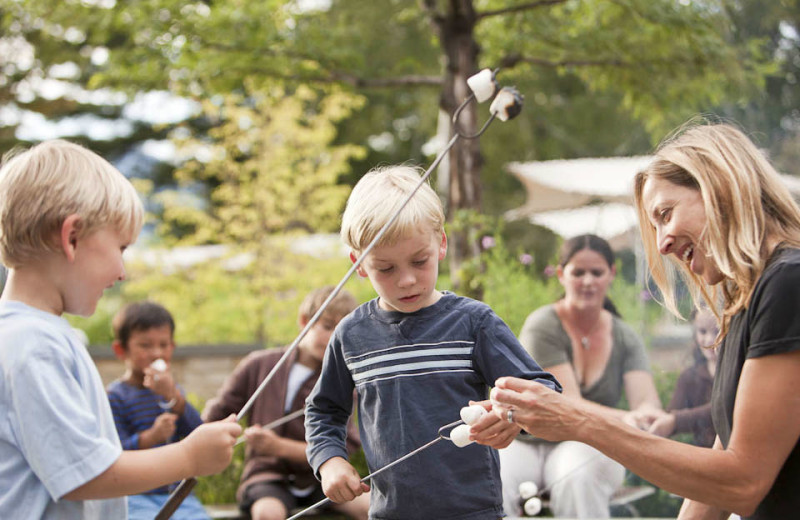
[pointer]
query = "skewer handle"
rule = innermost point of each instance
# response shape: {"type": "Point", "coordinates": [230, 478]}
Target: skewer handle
{"type": "Point", "coordinates": [176, 498]}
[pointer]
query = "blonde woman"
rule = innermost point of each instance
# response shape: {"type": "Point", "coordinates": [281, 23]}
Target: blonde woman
{"type": "Point", "coordinates": [711, 205]}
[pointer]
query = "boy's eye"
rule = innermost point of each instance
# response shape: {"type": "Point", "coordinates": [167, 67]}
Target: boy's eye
{"type": "Point", "coordinates": [597, 273]}
{"type": "Point", "coordinates": [384, 269]}
{"type": "Point", "coordinates": [420, 262]}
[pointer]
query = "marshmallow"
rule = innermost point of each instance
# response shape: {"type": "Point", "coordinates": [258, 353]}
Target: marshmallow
{"type": "Point", "coordinates": [471, 414]}
{"type": "Point", "coordinates": [460, 436]}
{"type": "Point", "coordinates": [507, 104]}
{"type": "Point", "coordinates": [532, 506]}
{"type": "Point", "coordinates": [159, 365]}
{"type": "Point", "coordinates": [482, 85]}
{"type": "Point", "coordinates": [528, 490]}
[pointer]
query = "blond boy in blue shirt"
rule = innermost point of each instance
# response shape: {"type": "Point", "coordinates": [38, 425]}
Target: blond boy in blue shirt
{"type": "Point", "coordinates": [66, 216]}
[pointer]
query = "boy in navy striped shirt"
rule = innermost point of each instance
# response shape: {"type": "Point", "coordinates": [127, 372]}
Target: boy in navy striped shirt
{"type": "Point", "coordinates": [416, 356]}
{"type": "Point", "coordinates": [148, 406]}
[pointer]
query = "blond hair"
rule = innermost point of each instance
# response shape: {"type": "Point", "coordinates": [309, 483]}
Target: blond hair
{"type": "Point", "coordinates": [377, 197]}
{"type": "Point", "coordinates": [340, 306]}
{"type": "Point", "coordinates": [42, 186]}
{"type": "Point", "coordinates": [746, 204]}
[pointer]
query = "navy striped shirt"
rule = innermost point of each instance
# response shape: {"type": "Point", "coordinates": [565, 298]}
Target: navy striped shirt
{"type": "Point", "coordinates": [413, 373]}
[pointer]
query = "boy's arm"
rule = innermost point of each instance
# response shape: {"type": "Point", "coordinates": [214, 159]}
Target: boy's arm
{"type": "Point", "coordinates": [328, 408]}
{"type": "Point", "coordinates": [189, 419]}
{"type": "Point", "coordinates": [206, 451]}
{"type": "Point", "coordinates": [498, 352]}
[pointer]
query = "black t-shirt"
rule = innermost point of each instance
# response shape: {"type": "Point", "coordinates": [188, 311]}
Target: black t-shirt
{"type": "Point", "coordinates": [770, 325]}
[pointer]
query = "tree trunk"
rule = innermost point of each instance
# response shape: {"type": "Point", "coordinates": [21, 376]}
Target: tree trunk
{"type": "Point", "coordinates": [465, 160]}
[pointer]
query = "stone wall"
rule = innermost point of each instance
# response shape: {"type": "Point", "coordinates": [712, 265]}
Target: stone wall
{"type": "Point", "coordinates": [199, 369]}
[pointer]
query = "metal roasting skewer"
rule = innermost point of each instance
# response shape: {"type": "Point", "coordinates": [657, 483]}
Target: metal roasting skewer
{"type": "Point", "coordinates": [277, 422]}
{"type": "Point", "coordinates": [440, 436]}
{"type": "Point", "coordinates": [185, 487]}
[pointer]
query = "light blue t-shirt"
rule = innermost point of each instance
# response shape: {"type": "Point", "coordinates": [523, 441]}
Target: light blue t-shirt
{"type": "Point", "coordinates": [56, 427]}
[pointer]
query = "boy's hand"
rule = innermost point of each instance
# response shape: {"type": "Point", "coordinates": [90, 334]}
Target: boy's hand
{"type": "Point", "coordinates": [160, 382]}
{"type": "Point", "coordinates": [160, 433]}
{"type": "Point", "coordinates": [263, 442]}
{"type": "Point", "coordinates": [210, 446]}
{"type": "Point", "coordinates": [340, 481]}
{"type": "Point", "coordinates": [492, 431]}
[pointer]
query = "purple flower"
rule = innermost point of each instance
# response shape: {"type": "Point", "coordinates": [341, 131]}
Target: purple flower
{"type": "Point", "coordinates": [645, 295]}
{"type": "Point", "coordinates": [487, 242]}
{"type": "Point", "coordinates": [525, 259]}
{"type": "Point", "coordinates": [549, 271]}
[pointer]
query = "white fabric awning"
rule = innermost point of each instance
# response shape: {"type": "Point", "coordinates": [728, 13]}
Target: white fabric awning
{"type": "Point", "coordinates": [595, 195]}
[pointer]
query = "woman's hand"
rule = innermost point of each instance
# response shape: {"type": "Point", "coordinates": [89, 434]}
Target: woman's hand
{"type": "Point", "coordinates": [492, 431]}
{"type": "Point", "coordinates": [540, 411]}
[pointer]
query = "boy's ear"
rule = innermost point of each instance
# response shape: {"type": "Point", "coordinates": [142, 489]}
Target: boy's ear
{"type": "Point", "coordinates": [302, 320]}
{"type": "Point", "coordinates": [68, 238]}
{"type": "Point", "coordinates": [360, 270]}
{"type": "Point", "coordinates": [443, 247]}
{"type": "Point", "coordinates": [119, 350]}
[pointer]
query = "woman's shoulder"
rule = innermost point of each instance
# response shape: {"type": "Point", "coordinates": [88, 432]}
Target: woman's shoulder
{"type": "Point", "coordinates": [543, 316]}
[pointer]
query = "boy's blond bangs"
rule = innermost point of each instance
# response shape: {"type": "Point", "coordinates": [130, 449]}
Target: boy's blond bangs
{"type": "Point", "coordinates": [42, 186]}
{"type": "Point", "coordinates": [377, 197]}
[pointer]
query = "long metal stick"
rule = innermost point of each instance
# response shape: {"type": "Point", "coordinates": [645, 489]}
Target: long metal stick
{"type": "Point", "coordinates": [277, 422]}
{"type": "Point", "coordinates": [379, 471]}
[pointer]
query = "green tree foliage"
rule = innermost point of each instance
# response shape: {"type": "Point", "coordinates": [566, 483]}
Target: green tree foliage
{"type": "Point", "coordinates": [651, 60]}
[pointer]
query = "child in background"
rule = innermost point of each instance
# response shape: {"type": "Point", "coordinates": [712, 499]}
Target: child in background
{"type": "Point", "coordinates": [276, 477]}
{"type": "Point", "coordinates": [149, 409]}
{"type": "Point", "coordinates": [66, 216]}
{"type": "Point", "coordinates": [416, 356]}
{"type": "Point", "coordinates": [690, 407]}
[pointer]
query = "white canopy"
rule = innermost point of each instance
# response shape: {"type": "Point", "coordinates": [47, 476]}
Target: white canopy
{"type": "Point", "coordinates": [577, 196]}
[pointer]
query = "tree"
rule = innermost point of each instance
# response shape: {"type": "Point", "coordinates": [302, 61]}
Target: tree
{"type": "Point", "coordinates": [663, 59]}
{"type": "Point", "coordinates": [272, 168]}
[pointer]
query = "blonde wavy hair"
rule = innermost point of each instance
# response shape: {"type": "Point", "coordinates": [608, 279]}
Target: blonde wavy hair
{"type": "Point", "coordinates": [42, 186]}
{"type": "Point", "coordinates": [747, 208]}
{"type": "Point", "coordinates": [378, 196]}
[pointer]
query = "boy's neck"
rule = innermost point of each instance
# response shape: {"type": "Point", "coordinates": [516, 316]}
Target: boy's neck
{"type": "Point", "coordinates": [307, 360]}
{"type": "Point", "coordinates": [133, 378]}
{"type": "Point", "coordinates": [28, 286]}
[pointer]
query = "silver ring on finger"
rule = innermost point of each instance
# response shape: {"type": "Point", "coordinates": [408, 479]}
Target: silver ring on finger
{"type": "Point", "coordinates": [510, 416]}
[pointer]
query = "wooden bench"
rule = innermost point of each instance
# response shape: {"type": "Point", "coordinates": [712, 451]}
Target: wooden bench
{"type": "Point", "coordinates": [232, 512]}
{"type": "Point", "coordinates": [625, 497]}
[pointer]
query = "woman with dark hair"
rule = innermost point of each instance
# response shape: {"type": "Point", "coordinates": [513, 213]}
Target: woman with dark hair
{"type": "Point", "coordinates": [582, 340]}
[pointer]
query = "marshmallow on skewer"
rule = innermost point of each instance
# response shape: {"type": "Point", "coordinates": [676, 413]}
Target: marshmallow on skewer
{"type": "Point", "coordinates": [528, 489]}
{"type": "Point", "coordinates": [159, 365]}
{"type": "Point", "coordinates": [471, 414]}
{"type": "Point", "coordinates": [532, 506]}
{"type": "Point", "coordinates": [507, 104]}
{"type": "Point", "coordinates": [460, 435]}
{"type": "Point", "coordinates": [482, 85]}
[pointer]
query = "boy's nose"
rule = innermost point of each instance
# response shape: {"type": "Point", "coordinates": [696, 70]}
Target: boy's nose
{"type": "Point", "coordinates": [406, 279]}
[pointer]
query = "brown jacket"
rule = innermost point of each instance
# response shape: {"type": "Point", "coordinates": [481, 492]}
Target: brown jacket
{"type": "Point", "coordinates": [235, 392]}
